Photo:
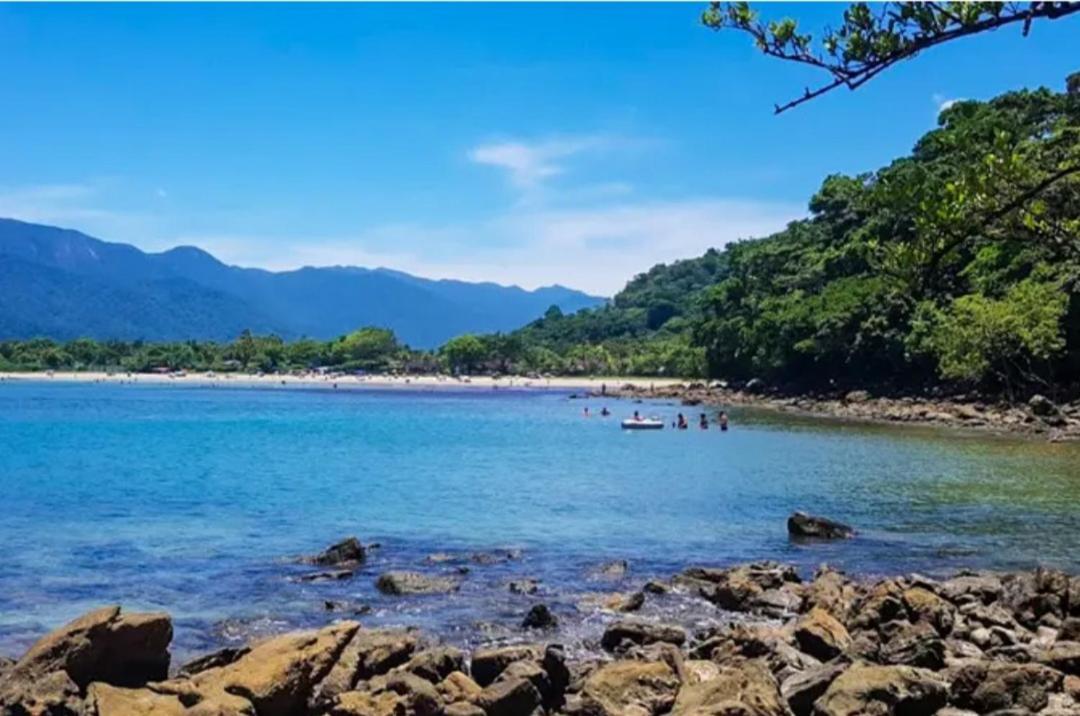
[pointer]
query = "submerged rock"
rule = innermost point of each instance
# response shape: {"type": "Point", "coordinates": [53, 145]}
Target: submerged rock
{"type": "Point", "coordinates": [539, 617]}
{"type": "Point", "coordinates": [348, 551]}
{"type": "Point", "coordinates": [640, 633]}
{"type": "Point", "coordinates": [801, 524]}
{"type": "Point", "coordinates": [406, 583]}
{"type": "Point", "coordinates": [616, 569]}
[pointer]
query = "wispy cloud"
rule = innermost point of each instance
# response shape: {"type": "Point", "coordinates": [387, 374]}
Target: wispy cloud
{"type": "Point", "coordinates": [943, 103]}
{"type": "Point", "coordinates": [529, 163]}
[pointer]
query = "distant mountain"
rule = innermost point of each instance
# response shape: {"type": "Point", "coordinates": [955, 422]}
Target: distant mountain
{"type": "Point", "coordinates": [64, 284]}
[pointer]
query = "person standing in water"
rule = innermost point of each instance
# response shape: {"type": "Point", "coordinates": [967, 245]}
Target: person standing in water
{"type": "Point", "coordinates": [703, 423]}
{"type": "Point", "coordinates": [682, 422]}
{"type": "Point", "coordinates": [585, 413]}
{"type": "Point", "coordinates": [723, 420]}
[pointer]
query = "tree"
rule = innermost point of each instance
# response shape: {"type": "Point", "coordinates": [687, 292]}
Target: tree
{"type": "Point", "coordinates": [872, 39]}
{"type": "Point", "coordinates": [464, 353]}
{"type": "Point", "coordinates": [367, 348]}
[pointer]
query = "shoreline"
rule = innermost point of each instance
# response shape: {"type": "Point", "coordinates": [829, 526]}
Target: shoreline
{"type": "Point", "coordinates": [780, 645]}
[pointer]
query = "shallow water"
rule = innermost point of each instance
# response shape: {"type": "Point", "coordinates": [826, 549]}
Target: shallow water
{"type": "Point", "coordinates": [194, 500]}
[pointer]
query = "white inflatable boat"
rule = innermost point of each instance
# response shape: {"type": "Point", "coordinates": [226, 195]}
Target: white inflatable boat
{"type": "Point", "coordinates": [642, 424]}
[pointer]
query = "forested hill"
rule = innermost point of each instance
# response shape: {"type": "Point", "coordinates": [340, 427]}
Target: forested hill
{"type": "Point", "coordinates": [956, 264]}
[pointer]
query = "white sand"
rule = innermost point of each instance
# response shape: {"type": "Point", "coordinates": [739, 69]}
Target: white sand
{"type": "Point", "coordinates": [311, 380]}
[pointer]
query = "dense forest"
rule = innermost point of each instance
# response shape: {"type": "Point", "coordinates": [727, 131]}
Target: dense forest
{"type": "Point", "coordinates": [956, 265]}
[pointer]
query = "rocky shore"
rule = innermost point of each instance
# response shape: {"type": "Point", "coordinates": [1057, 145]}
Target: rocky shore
{"type": "Point", "coordinates": [830, 645]}
{"type": "Point", "coordinates": [1037, 416]}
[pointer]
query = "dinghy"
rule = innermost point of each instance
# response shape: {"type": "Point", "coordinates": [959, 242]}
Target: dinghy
{"type": "Point", "coordinates": [642, 424]}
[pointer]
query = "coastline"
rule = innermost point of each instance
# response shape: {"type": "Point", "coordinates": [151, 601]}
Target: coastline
{"type": "Point", "coordinates": [781, 645]}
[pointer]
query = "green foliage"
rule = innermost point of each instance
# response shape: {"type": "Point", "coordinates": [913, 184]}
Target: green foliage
{"type": "Point", "coordinates": [874, 37]}
{"type": "Point", "coordinates": [464, 353]}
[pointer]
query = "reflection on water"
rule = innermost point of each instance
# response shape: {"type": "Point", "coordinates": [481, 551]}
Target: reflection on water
{"type": "Point", "coordinates": [193, 499]}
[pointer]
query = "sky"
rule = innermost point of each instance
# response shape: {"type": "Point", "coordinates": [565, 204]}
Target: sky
{"type": "Point", "coordinates": [522, 144]}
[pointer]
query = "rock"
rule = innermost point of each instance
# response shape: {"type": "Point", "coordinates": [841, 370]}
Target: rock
{"type": "Point", "coordinates": [982, 588]}
{"type": "Point", "coordinates": [369, 653]}
{"type": "Point", "coordinates": [616, 569]}
{"type": "Point", "coordinates": [655, 586]}
{"type": "Point", "coordinates": [222, 657]}
{"type": "Point", "coordinates": [539, 617]}
{"type": "Point", "coordinates": [830, 590]}
{"type": "Point", "coordinates": [641, 633]}
{"type": "Point", "coordinates": [856, 396]}
{"type": "Point", "coordinates": [406, 583]}
{"type": "Point", "coordinates": [458, 687]}
{"type": "Point", "coordinates": [509, 697]}
{"type": "Point", "coordinates": [1063, 656]}
{"type": "Point", "coordinates": [626, 688]}
{"type": "Point", "coordinates": [348, 551]}
{"type": "Point", "coordinates": [803, 688]}
{"type": "Point", "coordinates": [614, 602]}
{"type": "Point", "coordinates": [524, 586]}
{"type": "Point", "coordinates": [801, 524]}
{"type": "Point", "coordinates": [390, 695]}
{"type": "Point", "coordinates": [103, 645]}
{"type": "Point", "coordinates": [867, 689]}
{"type": "Point", "coordinates": [435, 664]}
{"type": "Point", "coordinates": [986, 687]}
{"type": "Point", "coordinates": [925, 606]}
{"type": "Point", "coordinates": [1042, 406]}
{"type": "Point", "coordinates": [278, 677]}
{"type": "Point", "coordinates": [463, 708]}
{"type": "Point", "coordinates": [754, 386]}
{"type": "Point", "coordinates": [881, 604]}
{"type": "Point", "coordinates": [105, 700]}
{"type": "Point", "coordinates": [487, 664]}
{"type": "Point", "coordinates": [745, 688]}
{"type": "Point", "coordinates": [820, 635]}
{"type": "Point", "coordinates": [50, 694]}
{"type": "Point", "coordinates": [743, 587]}
{"type": "Point", "coordinates": [915, 645]}
{"type": "Point", "coordinates": [329, 575]}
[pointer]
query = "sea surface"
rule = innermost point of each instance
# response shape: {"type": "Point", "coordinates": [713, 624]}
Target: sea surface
{"type": "Point", "coordinates": [198, 501]}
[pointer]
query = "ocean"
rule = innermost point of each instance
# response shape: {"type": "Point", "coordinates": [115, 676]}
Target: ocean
{"type": "Point", "coordinates": [199, 500]}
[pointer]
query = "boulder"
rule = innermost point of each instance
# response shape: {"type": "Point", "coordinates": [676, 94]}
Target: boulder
{"type": "Point", "coordinates": [509, 697]}
{"type": "Point", "coordinates": [914, 645]}
{"type": "Point", "coordinates": [803, 688]}
{"type": "Point", "coordinates": [369, 653]}
{"type": "Point", "coordinates": [640, 633]}
{"type": "Point", "coordinates": [278, 676]}
{"type": "Point", "coordinates": [1063, 656]}
{"type": "Point", "coordinates": [103, 645]}
{"type": "Point", "coordinates": [348, 551]}
{"type": "Point", "coordinates": [457, 686]}
{"type": "Point", "coordinates": [743, 588]}
{"type": "Point", "coordinates": [390, 695]}
{"type": "Point", "coordinates": [221, 657]}
{"type": "Point", "coordinates": [972, 587]}
{"type": "Point", "coordinates": [801, 524]}
{"type": "Point", "coordinates": [623, 688]}
{"type": "Point", "coordinates": [868, 689]}
{"type": "Point", "coordinates": [487, 664]}
{"type": "Point", "coordinates": [746, 689]}
{"type": "Point", "coordinates": [820, 635]}
{"type": "Point", "coordinates": [832, 591]}
{"type": "Point", "coordinates": [925, 606]}
{"type": "Point", "coordinates": [435, 664]}
{"type": "Point", "coordinates": [986, 687]}
{"type": "Point", "coordinates": [524, 586]}
{"type": "Point", "coordinates": [539, 617]}
{"type": "Point", "coordinates": [105, 700]}
{"type": "Point", "coordinates": [406, 583]}
{"type": "Point", "coordinates": [1042, 406]}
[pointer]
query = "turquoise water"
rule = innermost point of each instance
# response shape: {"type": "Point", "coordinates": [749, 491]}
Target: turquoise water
{"type": "Point", "coordinates": [196, 500]}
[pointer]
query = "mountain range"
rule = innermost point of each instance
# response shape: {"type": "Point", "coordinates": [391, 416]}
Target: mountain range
{"type": "Point", "coordinates": [63, 284]}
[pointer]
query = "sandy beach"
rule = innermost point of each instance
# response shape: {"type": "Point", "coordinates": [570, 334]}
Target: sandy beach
{"type": "Point", "coordinates": [344, 382]}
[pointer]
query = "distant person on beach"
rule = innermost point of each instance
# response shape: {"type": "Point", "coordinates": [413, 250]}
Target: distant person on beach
{"type": "Point", "coordinates": [722, 418]}
{"type": "Point", "coordinates": [603, 389]}
{"type": "Point", "coordinates": [703, 423]}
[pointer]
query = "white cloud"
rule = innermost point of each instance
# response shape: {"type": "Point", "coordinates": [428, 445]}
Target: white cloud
{"type": "Point", "coordinates": [529, 164]}
{"type": "Point", "coordinates": [596, 249]}
{"type": "Point", "coordinates": [943, 102]}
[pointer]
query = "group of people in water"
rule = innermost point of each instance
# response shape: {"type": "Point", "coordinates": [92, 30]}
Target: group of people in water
{"type": "Point", "coordinates": [680, 422]}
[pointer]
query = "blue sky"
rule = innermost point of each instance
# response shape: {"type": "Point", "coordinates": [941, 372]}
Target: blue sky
{"type": "Point", "coordinates": [528, 144]}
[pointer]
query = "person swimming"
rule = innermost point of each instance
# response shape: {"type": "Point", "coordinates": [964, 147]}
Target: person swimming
{"type": "Point", "coordinates": [604, 411]}
{"type": "Point", "coordinates": [723, 420]}
{"type": "Point", "coordinates": [703, 422]}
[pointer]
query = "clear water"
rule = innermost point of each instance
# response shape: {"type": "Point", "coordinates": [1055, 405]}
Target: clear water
{"type": "Point", "coordinates": [196, 500]}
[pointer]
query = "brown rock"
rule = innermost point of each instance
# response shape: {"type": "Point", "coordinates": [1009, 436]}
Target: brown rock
{"type": "Point", "coordinates": [803, 688]}
{"type": "Point", "coordinates": [641, 632]}
{"type": "Point", "coordinates": [830, 590]}
{"type": "Point", "coordinates": [105, 700]}
{"type": "Point", "coordinates": [369, 653]}
{"type": "Point", "coordinates": [349, 551]}
{"type": "Point", "coordinates": [820, 635]}
{"type": "Point", "coordinates": [1063, 656]}
{"type": "Point", "coordinates": [408, 583]}
{"type": "Point", "coordinates": [745, 689]}
{"type": "Point", "coordinates": [463, 708]}
{"type": "Point", "coordinates": [987, 687]}
{"type": "Point", "coordinates": [866, 689]}
{"type": "Point", "coordinates": [622, 688]}
{"type": "Point", "coordinates": [915, 645]}
{"type": "Point", "coordinates": [803, 525]}
{"type": "Point", "coordinates": [459, 687]}
{"type": "Point", "coordinates": [436, 664]}
{"type": "Point", "coordinates": [487, 664]}
{"type": "Point", "coordinates": [925, 606]}
{"type": "Point", "coordinates": [509, 697]}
